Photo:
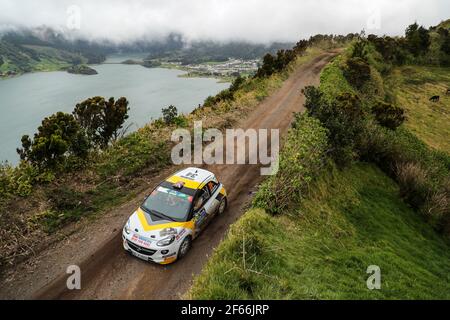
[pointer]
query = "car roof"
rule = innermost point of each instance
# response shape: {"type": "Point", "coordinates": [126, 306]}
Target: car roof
{"type": "Point", "coordinates": [193, 178]}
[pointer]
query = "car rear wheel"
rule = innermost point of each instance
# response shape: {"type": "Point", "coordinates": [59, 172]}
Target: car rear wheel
{"type": "Point", "coordinates": [184, 247]}
{"type": "Point", "coordinates": [222, 206]}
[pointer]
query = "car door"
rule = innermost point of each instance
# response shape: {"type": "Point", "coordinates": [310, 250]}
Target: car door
{"type": "Point", "coordinates": [214, 189]}
{"type": "Point", "coordinates": [209, 207]}
{"type": "Point", "coordinates": [202, 210]}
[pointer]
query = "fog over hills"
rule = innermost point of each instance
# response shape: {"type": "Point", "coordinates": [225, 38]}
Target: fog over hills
{"type": "Point", "coordinates": [257, 21]}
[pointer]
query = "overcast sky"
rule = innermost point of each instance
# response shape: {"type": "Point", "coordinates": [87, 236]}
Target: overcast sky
{"type": "Point", "coordinates": [252, 20]}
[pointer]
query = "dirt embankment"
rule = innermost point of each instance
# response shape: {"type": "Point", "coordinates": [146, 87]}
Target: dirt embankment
{"type": "Point", "coordinates": [107, 272]}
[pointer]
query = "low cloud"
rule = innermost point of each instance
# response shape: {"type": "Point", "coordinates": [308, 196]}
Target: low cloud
{"type": "Point", "coordinates": [221, 20]}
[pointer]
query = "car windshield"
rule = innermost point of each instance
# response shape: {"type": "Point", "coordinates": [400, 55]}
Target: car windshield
{"type": "Point", "coordinates": [168, 204]}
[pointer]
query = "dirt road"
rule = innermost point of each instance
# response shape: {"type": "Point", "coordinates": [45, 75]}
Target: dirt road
{"type": "Point", "coordinates": [107, 272]}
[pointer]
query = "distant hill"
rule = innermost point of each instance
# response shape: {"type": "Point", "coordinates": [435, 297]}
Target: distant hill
{"type": "Point", "coordinates": [44, 49]}
{"type": "Point", "coordinates": [22, 52]}
{"type": "Point", "coordinates": [204, 51]}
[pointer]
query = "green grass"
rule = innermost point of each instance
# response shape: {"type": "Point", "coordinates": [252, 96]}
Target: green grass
{"type": "Point", "coordinates": [351, 219]}
{"type": "Point", "coordinates": [411, 87]}
{"type": "Point", "coordinates": [332, 80]}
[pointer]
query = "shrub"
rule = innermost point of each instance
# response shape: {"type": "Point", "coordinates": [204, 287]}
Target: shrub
{"type": "Point", "coordinates": [300, 161]}
{"type": "Point", "coordinates": [360, 50]}
{"type": "Point", "coordinates": [180, 121]}
{"type": "Point", "coordinates": [391, 49]}
{"type": "Point", "coordinates": [343, 117]}
{"type": "Point", "coordinates": [388, 115]}
{"type": "Point", "coordinates": [237, 83]}
{"type": "Point", "coordinates": [356, 71]}
{"type": "Point", "coordinates": [169, 114]}
{"type": "Point", "coordinates": [58, 138]}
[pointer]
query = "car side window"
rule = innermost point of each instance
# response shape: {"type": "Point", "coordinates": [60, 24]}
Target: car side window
{"type": "Point", "coordinates": [212, 186]}
{"type": "Point", "coordinates": [202, 198]}
{"type": "Point", "coordinates": [205, 193]}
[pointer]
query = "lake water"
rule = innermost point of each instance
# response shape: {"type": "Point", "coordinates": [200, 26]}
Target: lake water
{"type": "Point", "coordinates": [27, 99]}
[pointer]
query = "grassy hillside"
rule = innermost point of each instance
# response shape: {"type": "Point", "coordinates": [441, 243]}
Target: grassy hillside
{"type": "Point", "coordinates": [411, 87]}
{"type": "Point", "coordinates": [350, 220]}
{"type": "Point", "coordinates": [314, 229]}
{"type": "Point", "coordinates": [27, 58]}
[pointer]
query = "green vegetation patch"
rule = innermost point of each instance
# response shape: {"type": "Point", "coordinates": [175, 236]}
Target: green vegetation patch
{"type": "Point", "coordinates": [411, 87]}
{"type": "Point", "coordinates": [351, 219]}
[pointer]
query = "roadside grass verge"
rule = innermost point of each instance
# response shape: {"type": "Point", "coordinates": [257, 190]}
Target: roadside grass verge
{"type": "Point", "coordinates": [321, 250]}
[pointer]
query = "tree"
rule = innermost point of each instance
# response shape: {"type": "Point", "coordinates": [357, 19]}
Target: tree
{"type": "Point", "coordinates": [267, 67]}
{"type": "Point", "coordinates": [236, 84]}
{"type": "Point", "coordinates": [169, 114]}
{"type": "Point", "coordinates": [58, 138]}
{"type": "Point", "coordinates": [101, 119]}
{"type": "Point", "coordinates": [393, 50]}
{"type": "Point", "coordinates": [301, 46]}
{"type": "Point", "coordinates": [417, 38]}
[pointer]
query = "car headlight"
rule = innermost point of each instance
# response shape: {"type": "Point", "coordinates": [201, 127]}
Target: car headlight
{"type": "Point", "coordinates": [168, 232]}
{"type": "Point", "coordinates": [166, 241]}
{"type": "Point", "coordinates": [126, 228]}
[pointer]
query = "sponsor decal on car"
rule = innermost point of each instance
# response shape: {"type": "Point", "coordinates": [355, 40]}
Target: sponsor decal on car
{"type": "Point", "coordinates": [178, 237]}
{"type": "Point", "coordinates": [140, 240]}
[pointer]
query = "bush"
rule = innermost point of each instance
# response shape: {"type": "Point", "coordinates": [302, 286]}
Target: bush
{"type": "Point", "coordinates": [356, 71]}
{"type": "Point", "coordinates": [388, 115]}
{"type": "Point", "coordinates": [58, 138]}
{"type": "Point", "coordinates": [169, 114]}
{"type": "Point", "coordinates": [343, 117]}
{"type": "Point", "coordinates": [360, 50]}
{"type": "Point", "coordinates": [300, 161]}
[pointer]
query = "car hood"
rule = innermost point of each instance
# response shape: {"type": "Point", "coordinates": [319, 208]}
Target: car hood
{"type": "Point", "coordinates": [143, 224]}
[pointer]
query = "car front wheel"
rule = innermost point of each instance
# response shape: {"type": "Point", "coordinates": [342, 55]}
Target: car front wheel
{"type": "Point", "coordinates": [222, 206]}
{"type": "Point", "coordinates": [184, 247]}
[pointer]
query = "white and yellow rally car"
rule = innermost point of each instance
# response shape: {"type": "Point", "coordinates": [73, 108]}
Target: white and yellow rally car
{"type": "Point", "coordinates": [163, 227]}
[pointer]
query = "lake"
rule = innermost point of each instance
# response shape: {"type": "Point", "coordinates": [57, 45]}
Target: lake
{"type": "Point", "coordinates": [25, 100]}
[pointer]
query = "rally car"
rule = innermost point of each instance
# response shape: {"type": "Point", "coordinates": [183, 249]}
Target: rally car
{"type": "Point", "coordinates": [163, 227]}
